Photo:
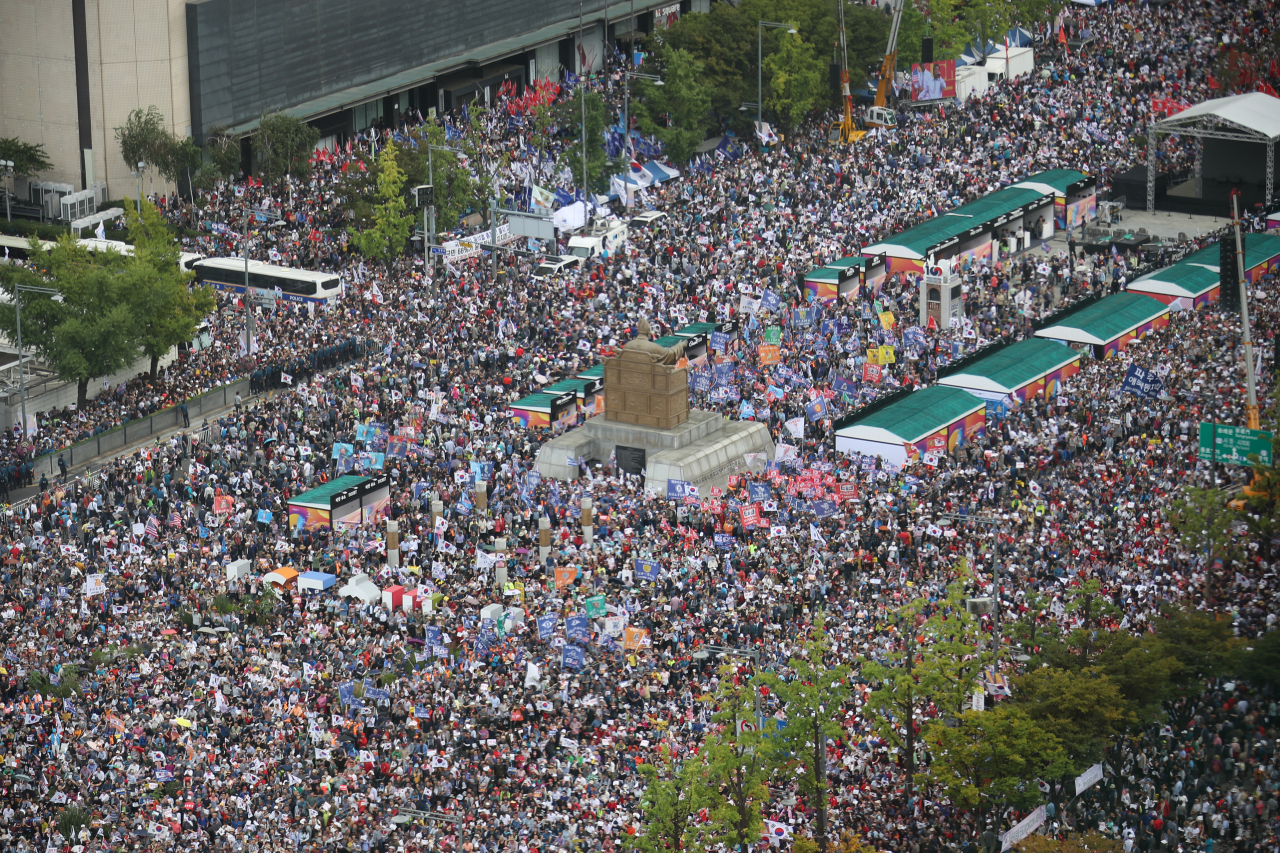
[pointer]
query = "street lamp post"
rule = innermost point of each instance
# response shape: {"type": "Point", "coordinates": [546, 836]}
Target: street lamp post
{"type": "Point", "coordinates": [6, 170]}
{"type": "Point", "coordinates": [994, 522]}
{"type": "Point", "coordinates": [142, 167]}
{"type": "Point", "coordinates": [760, 62]}
{"type": "Point", "coordinates": [626, 102]}
{"type": "Point", "coordinates": [19, 289]}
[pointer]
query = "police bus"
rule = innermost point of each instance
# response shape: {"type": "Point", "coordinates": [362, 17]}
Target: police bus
{"type": "Point", "coordinates": [268, 281]}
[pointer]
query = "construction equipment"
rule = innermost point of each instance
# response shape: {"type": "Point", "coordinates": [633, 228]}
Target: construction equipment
{"type": "Point", "coordinates": [881, 114]}
{"type": "Point", "coordinates": [1251, 382]}
{"type": "Point", "coordinates": [847, 132]}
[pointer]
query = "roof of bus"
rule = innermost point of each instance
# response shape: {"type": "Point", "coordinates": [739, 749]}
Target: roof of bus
{"type": "Point", "coordinates": [259, 266]}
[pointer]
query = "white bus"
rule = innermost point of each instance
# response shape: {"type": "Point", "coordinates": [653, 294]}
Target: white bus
{"type": "Point", "coordinates": [93, 244]}
{"type": "Point", "coordinates": [17, 249]}
{"type": "Point", "coordinates": [286, 283]}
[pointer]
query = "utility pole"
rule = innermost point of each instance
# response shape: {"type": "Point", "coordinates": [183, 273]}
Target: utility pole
{"type": "Point", "coordinates": [18, 290]}
{"type": "Point", "coordinates": [1251, 381]}
{"type": "Point", "coordinates": [994, 522]}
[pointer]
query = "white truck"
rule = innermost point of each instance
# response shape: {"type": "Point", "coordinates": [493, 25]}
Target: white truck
{"type": "Point", "coordinates": [599, 241]}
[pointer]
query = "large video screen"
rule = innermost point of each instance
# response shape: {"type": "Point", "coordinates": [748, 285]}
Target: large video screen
{"type": "Point", "coordinates": [932, 81]}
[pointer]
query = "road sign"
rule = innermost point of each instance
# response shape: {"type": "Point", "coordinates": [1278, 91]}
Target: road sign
{"type": "Point", "coordinates": [1222, 443]}
{"type": "Point", "coordinates": [437, 250]}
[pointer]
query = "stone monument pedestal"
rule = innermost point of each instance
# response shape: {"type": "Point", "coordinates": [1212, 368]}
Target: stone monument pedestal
{"type": "Point", "coordinates": [703, 450]}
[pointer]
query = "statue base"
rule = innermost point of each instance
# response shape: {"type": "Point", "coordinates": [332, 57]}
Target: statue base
{"type": "Point", "coordinates": [703, 450]}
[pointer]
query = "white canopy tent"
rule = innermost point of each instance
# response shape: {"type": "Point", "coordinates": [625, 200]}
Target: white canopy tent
{"type": "Point", "coordinates": [1251, 117]}
{"type": "Point", "coordinates": [361, 587]}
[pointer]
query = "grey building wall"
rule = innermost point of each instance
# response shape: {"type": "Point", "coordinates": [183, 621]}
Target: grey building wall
{"type": "Point", "coordinates": [248, 57]}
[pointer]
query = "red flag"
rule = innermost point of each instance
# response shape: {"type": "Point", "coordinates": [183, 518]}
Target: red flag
{"type": "Point", "coordinates": [1062, 38]}
{"type": "Point", "coordinates": [1268, 88]}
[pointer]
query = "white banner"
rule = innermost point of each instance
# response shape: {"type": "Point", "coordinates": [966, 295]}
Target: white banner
{"type": "Point", "coordinates": [1088, 779]}
{"type": "Point", "coordinates": [94, 585]}
{"type": "Point", "coordinates": [470, 247]}
{"type": "Point", "coordinates": [1025, 827]}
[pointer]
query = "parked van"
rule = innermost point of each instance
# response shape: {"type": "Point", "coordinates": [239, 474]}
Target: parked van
{"type": "Point", "coordinates": [599, 241]}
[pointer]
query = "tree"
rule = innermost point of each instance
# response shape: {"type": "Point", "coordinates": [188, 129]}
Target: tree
{"type": "Point", "coordinates": [1261, 664]}
{"type": "Point", "coordinates": [92, 331]}
{"type": "Point", "coordinates": [170, 309]}
{"type": "Point", "coordinates": [1142, 670]}
{"type": "Point", "coordinates": [724, 41]}
{"type": "Point", "coordinates": [222, 153]}
{"type": "Point", "coordinates": [1203, 643]}
{"type": "Point", "coordinates": [28, 159]}
{"type": "Point", "coordinates": [458, 191]}
{"type": "Point", "coordinates": [143, 138]}
{"type": "Point", "coordinates": [284, 145]}
{"type": "Point", "coordinates": [568, 114]}
{"type": "Point", "coordinates": [391, 224]}
{"type": "Point", "coordinates": [736, 764]}
{"type": "Point", "coordinates": [670, 806]}
{"type": "Point", "coordinates": [991, 758]}
{"type": "Point", "coordinates": [178, 158]}
{"type": "Point", "coordinates": [812, 696]}
{"type": "Point", "coordinates": [679, 111]}
{"type": "Point", "coordinates": [1083, 709]}
{"type": "Point", "coordinates": [796, 82]}
{"type": "Point", "coordinates": [1204, 523]}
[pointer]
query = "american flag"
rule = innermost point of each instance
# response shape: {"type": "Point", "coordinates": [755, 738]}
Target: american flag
{"type": "Point", "coordinates": [175, 520]}
{"type": "Point", "coordinates": [153, 528]}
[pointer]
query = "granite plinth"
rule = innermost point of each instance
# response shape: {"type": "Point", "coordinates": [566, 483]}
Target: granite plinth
{"type": "Point", "coordinates": [704, 450]}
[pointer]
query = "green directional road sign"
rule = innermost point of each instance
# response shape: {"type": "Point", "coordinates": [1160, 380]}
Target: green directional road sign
{"type": "Point", "coordinates": [1222, 443]}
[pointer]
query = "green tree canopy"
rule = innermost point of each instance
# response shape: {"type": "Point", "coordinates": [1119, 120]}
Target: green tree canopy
{"type": "Point", "coordinates": [679, 111]}
{"type": "Point", "coordinates": [812, 694]}
{"type": "Point", "coordinates": [737, 765]}
{"type": "Point", "coordinates": [991, 758]}
{"type": "Point", "coordinates": [143, 138]}
{"type": "Point", "coordinates": [569, 114]}
{"type": "Point", "coordinates": [92, 329]}
{"type": "Point", "coordinates": [28, 158]}
{"type": "Point", "coordinates": [284, 145]}
{"type": "Point", "coordinates": [669, 806]}
{"type": "Point", "coordinates": [222, 156]}
{"type": "Point", "coordinates": [171, 308]}
{"type": "Point", "coordinates": [797, 84]}
{"type": "Point", "coordinates": [385, 239]}
{"type": "Point", "coordinates": [1082, 708]}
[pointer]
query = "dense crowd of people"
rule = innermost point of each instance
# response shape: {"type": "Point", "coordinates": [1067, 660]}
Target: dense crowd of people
{"type": "Point", "coordinates": [205, 713]}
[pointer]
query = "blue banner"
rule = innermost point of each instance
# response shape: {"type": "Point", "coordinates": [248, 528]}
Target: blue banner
{"type": "Point", "coordinates": [759, 492]}
{"type": "Point", "coordinates": [1142, 382]}
{"type": "Point", "coordinates": [572, 657]}
{"type": "Point", "coordinates": [546, 626]}
{"type": "Point", "coordinates": [679, 489]}
{"type": "Point", "coordinates": [719, 341]}
{"type": "Point", "coordinates": [577, 627]}
{"type": "Point", "coordinates": [725, 542]}
{"type": "Point", "coordinates": [647, 570]}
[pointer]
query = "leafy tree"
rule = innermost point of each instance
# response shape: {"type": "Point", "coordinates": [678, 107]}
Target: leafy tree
{"type": "Point", "coordinates": [991, 757]}
{"type": "Point", "coordinates": [1204, 522]}
{"type": "Point", "coordinates": [179, 157]}
{"type": "Point", "coordinates": [1261, 664]}
{"type": "Point", "coordinates": [679, 111]}
{"type": "Point", "coordinates": [796, 82]}
{"type": "Point", "coordinates": [458, 190]}
{"type": "Point", "coordinates": [812, 696]}
{"type": "Point", "coordinates": [568, 114]}
{"type": "Point", "coordinates": [1142, 669]}
{"type": "Point", "coordinates": [724, 41]}
{"type": "Point", "coordinates": [222, 153]}
{"type": "Point", "coordinates": [170, 309]}
{"type": "Point", "coordinates": [71, 819]}
{"type": "Point", "coordinates": [28, 159]}
{"type": "Point", "coordinates": [670, 806]}
{"type": "Point", "coordinates": [1082, 708]}
{"type": "Point", "coordinates": [143, 138]}
{"type": "Point", "coordinates": [284, 145]}
{"type": "Point", "coordinates": [92, 331]}
{"type": "Point", "coordinates": [387, 237]}
{"type": "Point", "coordinates": [737, 765]}
{"type": "Point", "coordinates": [1203, 643]}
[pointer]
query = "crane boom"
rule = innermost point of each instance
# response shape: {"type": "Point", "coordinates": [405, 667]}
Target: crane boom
{"type": "Point", "coordinates": [879, 115]}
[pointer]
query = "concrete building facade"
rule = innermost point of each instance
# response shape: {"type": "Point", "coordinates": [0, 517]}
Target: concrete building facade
{"type": "Point", "coordinates": [72, 70]}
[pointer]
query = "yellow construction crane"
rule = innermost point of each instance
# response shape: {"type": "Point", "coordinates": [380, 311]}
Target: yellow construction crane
{"type": "Point", "coordinates": [848, 133]}
{"type": "Point", "coordinates": [881, 114]}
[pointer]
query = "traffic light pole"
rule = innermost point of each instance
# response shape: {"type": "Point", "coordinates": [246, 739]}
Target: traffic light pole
{"type": "Point", "coordinates": [1251, 381]}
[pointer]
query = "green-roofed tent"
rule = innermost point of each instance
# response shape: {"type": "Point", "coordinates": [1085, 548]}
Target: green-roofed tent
{"type": "Point", "coordinates": [595, 372]}
{"type": "Point", "coordinates": [951, 231]}
{"type": "Point", "coordinates": [948, 414]}
{"type": "Point", "coordinates": [349, 499]}
{"type": "Point", "coordinates": [1195, 280]}
{"type": "Point", "coordinates": [1109, 324]}
{"type": "Point", "coordinates": [587, 391]}
{"type": "Point", "coordinates": [1027, 367]}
